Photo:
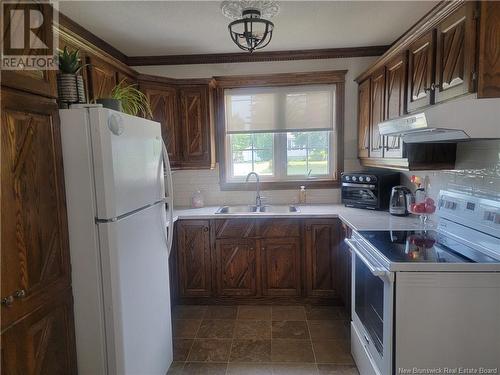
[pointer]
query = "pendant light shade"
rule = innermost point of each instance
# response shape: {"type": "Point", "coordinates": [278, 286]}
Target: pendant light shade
{"type": "Point", "coordinates": [249, 30]}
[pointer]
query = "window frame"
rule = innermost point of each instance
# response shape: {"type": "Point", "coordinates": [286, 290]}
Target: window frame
{"type": "Point", "coordinates": [336, 77]}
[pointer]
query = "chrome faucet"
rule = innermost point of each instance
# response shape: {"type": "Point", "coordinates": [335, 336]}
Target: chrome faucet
{"type": "Point", "coordinates": [258, 198]}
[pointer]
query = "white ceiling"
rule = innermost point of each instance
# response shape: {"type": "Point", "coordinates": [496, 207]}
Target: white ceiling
{"type": "Point", "coordinates": [142, 28]}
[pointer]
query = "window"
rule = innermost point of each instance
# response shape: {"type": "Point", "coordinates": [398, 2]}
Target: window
{"type": "Point", "coordinates": [284, 133]}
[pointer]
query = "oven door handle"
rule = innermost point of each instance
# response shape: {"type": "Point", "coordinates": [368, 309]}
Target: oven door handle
{"type": "Point", "coordinates": [376, 271]}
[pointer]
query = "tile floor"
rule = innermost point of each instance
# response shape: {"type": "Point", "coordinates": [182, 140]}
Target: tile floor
{"type": "Point", "coordinates": [261, 340]}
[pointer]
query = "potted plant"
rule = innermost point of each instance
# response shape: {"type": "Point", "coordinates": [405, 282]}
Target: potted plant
{"type": "Point", "coordinates": [70, 86]}
{"type": "Point", "coordinates": [129, 99]}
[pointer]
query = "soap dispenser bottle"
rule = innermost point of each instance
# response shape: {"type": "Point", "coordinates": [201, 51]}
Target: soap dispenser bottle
{"type": "Point", "coordinates": [302, 195]}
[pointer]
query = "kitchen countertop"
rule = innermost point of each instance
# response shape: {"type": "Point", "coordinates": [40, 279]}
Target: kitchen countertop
{"type": "Point", "coordinates": [357, 219]}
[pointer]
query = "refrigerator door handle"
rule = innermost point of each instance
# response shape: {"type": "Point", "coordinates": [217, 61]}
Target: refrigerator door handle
{"type": "Point", "coordinates": [168, 227]}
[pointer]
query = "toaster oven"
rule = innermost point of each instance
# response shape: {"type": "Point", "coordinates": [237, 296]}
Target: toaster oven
{"type": "Point", "coordinates": [369, 190]}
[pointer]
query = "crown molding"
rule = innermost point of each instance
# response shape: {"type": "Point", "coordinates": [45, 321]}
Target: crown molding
{"type": "Point", "coordinates": [241, 57]}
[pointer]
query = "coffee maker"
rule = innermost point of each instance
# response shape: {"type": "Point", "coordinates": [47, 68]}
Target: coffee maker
{"type": "Point", "coordinates": [401, 199]}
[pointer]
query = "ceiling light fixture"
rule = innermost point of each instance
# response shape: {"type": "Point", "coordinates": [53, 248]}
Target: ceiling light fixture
{"type": "Point", "coordinates": [249, 30]}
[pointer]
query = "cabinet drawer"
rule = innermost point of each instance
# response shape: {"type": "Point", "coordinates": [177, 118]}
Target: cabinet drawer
{"type": "Point", "coordinates": [235, 228]}
{"type": "Point", "coordinates": [270, 228]}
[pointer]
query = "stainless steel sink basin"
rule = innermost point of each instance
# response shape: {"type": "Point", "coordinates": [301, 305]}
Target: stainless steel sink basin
{"type": "Point", "coordinates": [236, 209]}
{"type": "Point", "coordinates": [254, 209]}
{"type": "Point", "coordinates": [279, 209]}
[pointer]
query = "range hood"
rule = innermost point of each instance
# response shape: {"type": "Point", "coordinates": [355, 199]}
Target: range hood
{"type": "Point", "coordinates": [459, 120]}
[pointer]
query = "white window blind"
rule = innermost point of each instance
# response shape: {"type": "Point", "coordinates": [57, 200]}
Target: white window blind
{"type": "Point", "coordinates": [280, 109]}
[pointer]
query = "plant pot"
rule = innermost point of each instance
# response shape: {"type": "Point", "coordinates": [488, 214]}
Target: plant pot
{"type": "Point", "coordinates": [70, 88]}
{"type": "Point", "coordinates": [110, 103]}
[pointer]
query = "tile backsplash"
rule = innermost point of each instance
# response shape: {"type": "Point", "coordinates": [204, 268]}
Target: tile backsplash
{"type": "Point", "coordinates": [477, 171]}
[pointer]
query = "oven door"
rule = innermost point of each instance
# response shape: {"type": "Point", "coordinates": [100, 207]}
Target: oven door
{"type": "Point", "coordinates": [372, 307]}
{"type": "Point", "coordinates": [355, 194]}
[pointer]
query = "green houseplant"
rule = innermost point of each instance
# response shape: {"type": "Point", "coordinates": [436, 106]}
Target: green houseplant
{"type": "Point", "coordinates": [128, 99]}
{"type": "Point", "coordinates": [70, 86]}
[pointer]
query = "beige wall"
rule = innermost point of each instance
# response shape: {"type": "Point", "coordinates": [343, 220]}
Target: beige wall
{"type": "Point", "coordinates": [186, 182]}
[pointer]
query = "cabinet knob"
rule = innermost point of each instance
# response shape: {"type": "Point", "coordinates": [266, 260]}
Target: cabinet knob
{"type": "Point", "coordinates": [7, 301]}
{"type": "Point", "coordinates": [19, 294]}
{"type": "Point", "coordinates": [205, 229]}
{"type": "Point", "coordinates": [308, 228]}
{"type": "Point", "coordinates": [431, 88]}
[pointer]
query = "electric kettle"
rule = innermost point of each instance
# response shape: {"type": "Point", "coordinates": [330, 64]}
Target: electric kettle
{"type": "Point", "coordinates": [401, 198]}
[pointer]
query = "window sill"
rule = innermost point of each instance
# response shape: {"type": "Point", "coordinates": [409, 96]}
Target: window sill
{"type": "Point", "coordinates": [280, 185]}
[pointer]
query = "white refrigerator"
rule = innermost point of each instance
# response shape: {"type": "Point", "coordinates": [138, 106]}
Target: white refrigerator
{"type": "Point", "coordinates": [119, 200]}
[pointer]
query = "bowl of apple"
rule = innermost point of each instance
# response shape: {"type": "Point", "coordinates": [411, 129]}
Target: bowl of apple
{"type": "Point", "coordinates": [423, 209]}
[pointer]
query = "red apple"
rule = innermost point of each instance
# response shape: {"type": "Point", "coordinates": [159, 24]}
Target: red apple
{"type": "Point", "coordinates": [429, 201]}
{"type": "Point", "coordinates": [420, 208]}
{"type": "Point", "coordinates": [430, 208]}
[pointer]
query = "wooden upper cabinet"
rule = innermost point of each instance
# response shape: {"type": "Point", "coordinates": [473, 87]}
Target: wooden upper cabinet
{"type": "Point", "coordinates": [455, 53]}
{"type": "Point", "coordinates": [489, 50]}
{"type": "Point", "coordinates": [395, 101]}
{"type": "Point", "coordinates": [163, 102]}
{"type": "Point", "coordinates": [195, 126]}
{"type": "Point", "coordinates": [377, 97]}
{"type": "Point", "coordinates": [193, 238]}
{"type": "Point", "coordinates": [102, 78]}
{"type": "Point", "coordinates": [35, 246]}
{"type": "Point", "coordinates": [421, 71]}
{"type": "Point", "coordinates": [236, 267]}
{"type": "Point", "coordinates": [321, 250]}
{"type": "Point", "coordinates": [364, 105]}
{"type": "Point", "coordinates": [280, 258]}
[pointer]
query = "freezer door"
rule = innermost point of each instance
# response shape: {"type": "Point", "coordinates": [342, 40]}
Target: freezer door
{"type": "Point", "coordinates": [136, 293]}
{"type": "Point", "coordinates": [127, 158]}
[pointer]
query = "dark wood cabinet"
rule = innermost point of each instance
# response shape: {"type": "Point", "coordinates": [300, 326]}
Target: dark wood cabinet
{"type": "Point", "coordinates": [395, 101]}
{"type": "Point", "coordinates": [265, 259]}
{"type": "Point", "coordinates": [364, 106]}
{"type": "Point", "coordinates": [455, 53]}
{"type": "Point", "coordinates": [163, 102]}
{"type": "Point", "coordinates": [377, 101]}
{"type": "Point", "coordinates": [36, 319]}
{"type": "Point", "coordinates": [194, 260]}
{"type": "Point", "coordinates": [43, 342]}
{"type": "Point", "coordinates": [421, 71]}
{"type": "Point", "coordinates": [195, 126]}
{"type": "Point", "coordinates": [102, 78]}
{"type": "Point", "coordinates": [184, 112]}
{"type": "Point", "coordinates": [236, 267]}
{"type": "Point", "coordinates": [281, 274]}
{"type": "Point", "coordinates": [489, 50]}
{"type": "Point", "coordinates": [321, 251]}
{"type": "Point", "coordinates": [35, 247]}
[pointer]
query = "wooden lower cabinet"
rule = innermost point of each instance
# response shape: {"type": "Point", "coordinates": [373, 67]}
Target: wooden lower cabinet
{"type": "Point", "coordinates": [265, 259]}
{"type": "Point", "coordinates": [194, 260]}
{"type": "Point", "coordinates": [280, 266]}
{"type": "Point", "coordinates": [322, 246]}
{"type": "Point", "coordinates": [236, 267]}
{"type": "Point", "coordinates": [43, 342]}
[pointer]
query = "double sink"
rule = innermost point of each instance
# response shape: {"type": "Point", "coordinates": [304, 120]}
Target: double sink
{"type": "Point", "coordinates": [257, 209]}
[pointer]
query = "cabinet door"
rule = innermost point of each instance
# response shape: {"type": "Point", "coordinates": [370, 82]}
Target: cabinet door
{"type": "Point", "coordinates": [102, 78]}
{"type": "Point", "coordinates": [455, 53]}
{"type": "Point", "coordinates": [163, 103]}
{"type": "Point", "coordinates": [236, 267]}
{"type": "Point", "coordinates": [364, 106]}
{"type": "Point", "coordinates": [421, 72]}
{"type": "Point", "coordinates": [194, 258]}
{"type": "Point", "coordinates": [322, 244]}
{"type": "Point", "coordinates": [395, 101]}
{"type": "Point", "coordinates": [43, 342]}
{"type": "Point", "coordinates": [489, 51]}
{"type": "Point", "coordinates": [34, 232]}
{"type": "Point", "coordinates": [195, 126]}
{"type": "Point", "coordinates": [280, 266]}
{"type": "Point", "coordinates": [377, 113]}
